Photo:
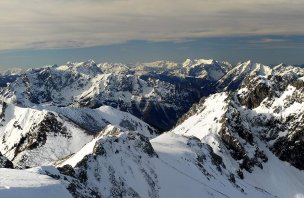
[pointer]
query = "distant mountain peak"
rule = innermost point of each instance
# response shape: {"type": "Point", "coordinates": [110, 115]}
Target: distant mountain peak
{"type": "Point", "coordinates": [190, 63]}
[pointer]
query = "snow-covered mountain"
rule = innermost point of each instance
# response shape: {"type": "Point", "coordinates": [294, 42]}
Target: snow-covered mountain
{"type": "Point", "coordinates": [208, 69]}
{"type": "Point", "coordinates": [233, 78]}
{"type": "Point", "coordinates": [277, 114]}
{"type": "Point", "coordinates": [31, 137]}
{"type": "Point", "coordinates": [151, 169]}
{"type": "Point", "coordinates": [155, 97]}
{"type": "Point", "coordinates": [10, 75]}
{"type": "Point", "coordinates": [238, 130]}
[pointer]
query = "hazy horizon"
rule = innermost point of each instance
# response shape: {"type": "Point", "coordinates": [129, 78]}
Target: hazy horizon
{"type": "Point", "coordinates": [53, 32]}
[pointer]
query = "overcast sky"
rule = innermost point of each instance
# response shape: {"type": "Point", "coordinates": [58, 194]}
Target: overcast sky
{"type": "Point", "coordinates": [94, 27]}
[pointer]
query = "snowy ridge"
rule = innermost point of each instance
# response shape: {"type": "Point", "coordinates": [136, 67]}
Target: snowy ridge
{"type": "Point", "coordinates": [95, 120]}
{"type": "Point", "coordinates": [233, 78]}
{"type": "Point", "coordinates": [30, 137]}
{"type": "Point", "coordinates": [203, 122]}
{"type": "Point", "coordinates": [89, 68]}
{"type": "Point", "coordinates": [205, 69]}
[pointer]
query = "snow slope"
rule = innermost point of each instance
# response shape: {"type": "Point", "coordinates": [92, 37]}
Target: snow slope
{"type": "Point", "coordinates": [26, 184]}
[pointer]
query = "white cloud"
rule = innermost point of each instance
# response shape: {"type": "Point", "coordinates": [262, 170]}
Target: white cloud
{"type": "Point", "coordinates": [82, 23]}
{"type": "Point", "coordinates": [268, 40]}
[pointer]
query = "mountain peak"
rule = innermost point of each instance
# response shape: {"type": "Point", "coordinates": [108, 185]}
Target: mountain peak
{"type": "Point", "coordinates": [189, 62]}
{"type": "Point", "coordinates": [205, 61]}
{"type": "Point", "coordinates": [88, 67]}
{"type": "Point", "coordinates": [248, 62]}
{"type": "Point", "coordinates": [161, 63]}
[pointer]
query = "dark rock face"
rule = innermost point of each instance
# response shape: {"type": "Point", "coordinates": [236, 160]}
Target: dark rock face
{"type": "Point", "coordinates": [6, 79]}
{"type": "Point", "coordinates": [2, 114]}
{"type": "Point", "coordinates": [284, 133]}
{"type": "Point", "coordinates": [239, 139]}
{"type": "Point", "coordinates": [74, 184]}
{"type": "Point", "coordinates": [157, 115]}
{"type": "Point", "coordinates": [229, 83]}
{"type": "Point", "coordinates": [290, 148]}
{"type": "Point", "coordinates": [259, 88]}
{"type": "Point", "coordinates": [67, 170]}
{"type": "Point", "coordinates": [5, 163]}
{"type": "Point", "coordinates": [239, 152]}
{"type": "Point", "coordinates": [142, 143]}
{"type": "Point", "coordinates": [256, 96]}
{"type": "Point", "coordinates": [99, 150]}
{"type": "Point", "coordinates": [86, 192]}
{"type": "Point", "coordinates": [38, 133]}
{"type": "Point", "coordinates": [290, 151]}
{"type": "Point", "coordinates": [299, 84]}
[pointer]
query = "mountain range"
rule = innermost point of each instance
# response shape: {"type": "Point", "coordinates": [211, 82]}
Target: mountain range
{"type": "Point", "coordinates": [200, 128]}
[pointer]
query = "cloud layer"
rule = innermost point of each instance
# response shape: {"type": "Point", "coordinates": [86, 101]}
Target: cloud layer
{"type": "Point", "coordinates": [44, 24]}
